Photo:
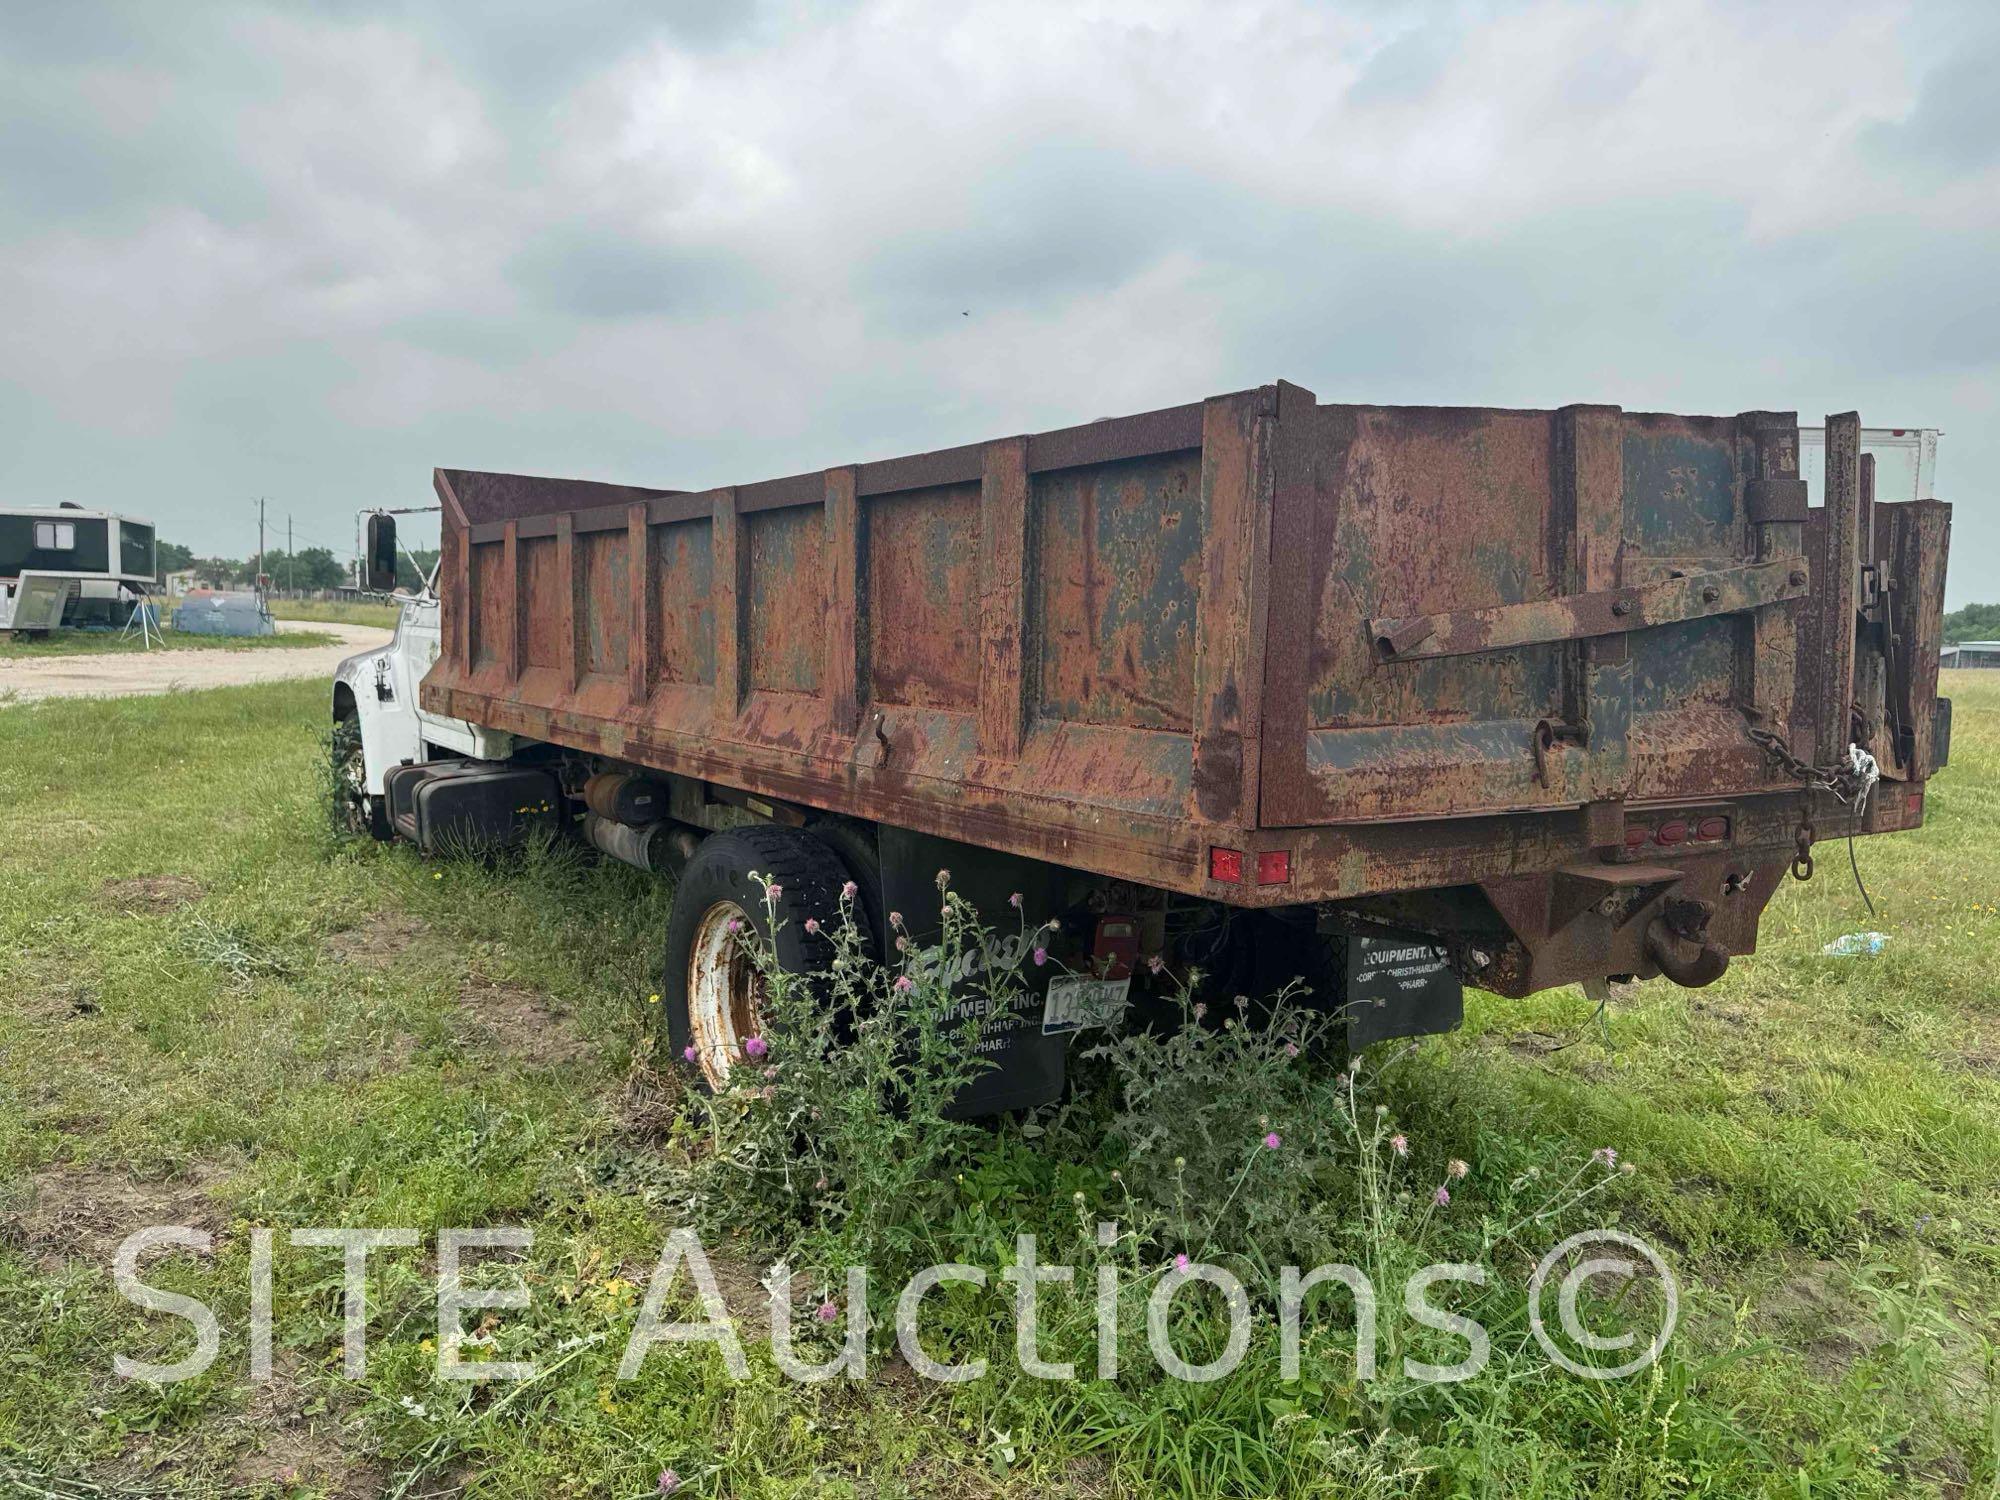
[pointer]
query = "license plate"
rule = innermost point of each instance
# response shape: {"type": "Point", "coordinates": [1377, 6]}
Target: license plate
{"type": "Point", "coordinates": [1076, 1002]}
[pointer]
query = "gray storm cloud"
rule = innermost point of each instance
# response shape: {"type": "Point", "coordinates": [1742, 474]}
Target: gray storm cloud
{"type": "Point", "coordinates": [247, 250]}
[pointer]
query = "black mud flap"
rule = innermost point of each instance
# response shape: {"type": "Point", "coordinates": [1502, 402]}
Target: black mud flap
{"type": "Point", "coordinates": [1399, 986]}
{"type": "Point", "coordinates": [1027, 1067]}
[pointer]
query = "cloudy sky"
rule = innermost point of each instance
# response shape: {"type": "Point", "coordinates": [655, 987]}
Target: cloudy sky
{"type": "Point", "coordinates": [311, 252]}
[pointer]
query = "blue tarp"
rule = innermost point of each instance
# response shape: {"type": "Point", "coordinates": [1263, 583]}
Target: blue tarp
{"type": "Point", "coordinates": [223, 614]}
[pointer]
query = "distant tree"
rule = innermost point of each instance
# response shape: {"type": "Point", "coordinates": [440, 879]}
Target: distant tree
{"type": "Point", "coordinates": [1976, 622]}
{"type": "Point", "coordinates": [407, 576]}
{"type": "Point", "coordinates": [219, 572]}
{"type": "Point", "coordinates": [313, 568]}
{"type": "Point", "coordinates": [173, 557]}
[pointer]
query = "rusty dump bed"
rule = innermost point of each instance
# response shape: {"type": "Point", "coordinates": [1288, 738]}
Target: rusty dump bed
{"type": "Point", "coordinates": [1407, 647]}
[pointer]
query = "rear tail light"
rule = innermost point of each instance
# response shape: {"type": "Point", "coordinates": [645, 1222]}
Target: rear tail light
{"type": "Point", "coordinates": [1274, 867]}
{"type": "Point", "coordinates": [1672, 832]}
{"type": "Point", "coordinates": [1226, 865]}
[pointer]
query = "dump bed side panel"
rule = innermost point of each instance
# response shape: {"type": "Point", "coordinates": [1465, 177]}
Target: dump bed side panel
{"type": "Point", "coordinates": [1041, 643]}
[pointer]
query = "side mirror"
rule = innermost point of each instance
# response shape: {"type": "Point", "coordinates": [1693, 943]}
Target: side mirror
{"type": "Point", "coordinates": [381, 554]}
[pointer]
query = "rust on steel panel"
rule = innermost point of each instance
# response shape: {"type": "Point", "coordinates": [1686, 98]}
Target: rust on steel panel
{"type": "Point", "coordinates": [683, 589]}
{"type": "Point", "coordinates": [1230, 614]}
{"type": "Point", "coordinates": [491, 604]}
{"type": "Point", "coordinates": [923, 575]}
{"type": "Point", "coordinates": [544, 611]}
{"type": "Point", "coordinates": [604, 597]}
{"type": "Point", "coordinates": [1118, 645]}
{"type": "Point", "coordinates": [1118, 566]}
{"type": "Point", "coordinates": [1003, 598]}
{"type": "Point", "coordinates": [1575, 617]}
{"type": "Point", "coordinates": [785, 622]}
{"type": "Point", "coordinates": [846, 623]}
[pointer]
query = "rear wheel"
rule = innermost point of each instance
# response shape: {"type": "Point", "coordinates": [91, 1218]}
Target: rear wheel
{"type": "Point", "coordinates": [712, 992]}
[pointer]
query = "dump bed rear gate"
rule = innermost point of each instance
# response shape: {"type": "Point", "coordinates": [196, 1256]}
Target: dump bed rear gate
{"type": "Point", "coordinates": [1498, 611]}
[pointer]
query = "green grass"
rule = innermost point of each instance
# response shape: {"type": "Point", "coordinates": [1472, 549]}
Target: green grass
{"type": "Point", "coordinates": [110, 643]}
{"type": "Point", "coordinates": [337, 612]}
{"type": "Point", "coordinates": [212, 1010]}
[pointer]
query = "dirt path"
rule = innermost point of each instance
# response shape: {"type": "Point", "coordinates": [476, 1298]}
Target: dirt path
{"type": "Point", "coordinates": [115, 676]}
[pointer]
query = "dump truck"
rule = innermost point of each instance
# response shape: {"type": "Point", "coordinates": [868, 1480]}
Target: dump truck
{"type": "Point", "coordinates": [1389, 699]}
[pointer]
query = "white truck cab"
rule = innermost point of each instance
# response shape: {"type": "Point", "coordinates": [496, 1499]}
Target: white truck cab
{"type": "Point", "coordinates": [378, 724]}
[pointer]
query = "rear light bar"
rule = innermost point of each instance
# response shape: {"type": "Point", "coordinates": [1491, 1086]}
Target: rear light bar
{"type": "Point", "coordinates": [1274, 866]}
{"type": "Point", "coordinates": [1670, 833]}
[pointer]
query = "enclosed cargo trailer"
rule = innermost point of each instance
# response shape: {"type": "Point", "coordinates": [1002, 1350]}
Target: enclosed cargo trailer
{"type": "Point", "coordinates": [1563, 693]}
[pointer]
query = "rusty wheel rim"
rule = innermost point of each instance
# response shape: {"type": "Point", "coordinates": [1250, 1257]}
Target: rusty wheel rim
{"type": "Point", "coordinates": [724, 991]}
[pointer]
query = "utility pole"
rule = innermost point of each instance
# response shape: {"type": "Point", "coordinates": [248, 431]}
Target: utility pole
{"type": "Point", "coordinates": [256, 581]}
{"type": "Point", "coordinates": [291, 559]}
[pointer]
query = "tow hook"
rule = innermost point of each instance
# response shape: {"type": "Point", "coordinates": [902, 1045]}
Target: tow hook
{"type": "Point", "coordinates": [1670, 936]}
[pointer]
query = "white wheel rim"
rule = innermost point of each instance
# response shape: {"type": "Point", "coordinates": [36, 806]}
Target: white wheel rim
{"type": "Point", "coordinates": [723, 991]}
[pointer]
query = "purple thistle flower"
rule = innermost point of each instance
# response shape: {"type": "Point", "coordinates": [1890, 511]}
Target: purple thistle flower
{"type": "Point", "coordinates": [732, 925]}
{"type": "Point", "coordinates": [1442, 1197]}
{"type": "Point", "coordinates": [1181, 1261]}
{"type": "Point", "coordinates": [1291, 1049]}
{"type": "Point", "coordinates": [1400, 1144]}
{"type": "Point", "coordinates": [1273, 1141]}
{"type": "Point", "coordinates": [1015, 901]}
{"type": "Point", "coordinates": [688, 1054]}
{"type": "Point", "coordinates": [904, 984]}
{"type": "Point", "coordinates": [755, 1046]}
{"type": "Point", "coordinates": [669, 1481]}
{"type": "Point", "coordinates": [1041, 957]}
{"type": "Point", "coordinates": [774, 890]}
{"type": "Point", "coordinates": [1200, 1009]}
{"type": "Point", "coordinates": [944, 879]}
{"type": "Point", "coordinates": [1606, 1155]}
{"type": "Point", "coordinates": [812, 924]}
{"type": "Point", "coordinates": [1156, 963]}
{"type": "Point", "coordinates": [826, 1312]}
{"type": "Point", "coordinates": [895, 919]}
{"type": "Point", "coordinates": [849, 891]}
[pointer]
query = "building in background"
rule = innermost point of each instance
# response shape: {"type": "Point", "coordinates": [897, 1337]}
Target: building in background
{"type": "Point", "coordinates": [1970, 654]}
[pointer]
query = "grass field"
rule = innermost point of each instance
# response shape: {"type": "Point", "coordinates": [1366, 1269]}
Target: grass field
{"type": "Point", "coordinates": [110, 643]}
{"type": "Point", "coordinates": [336, 612]}
{"type": "Point", "coordinates": [215, 1012]}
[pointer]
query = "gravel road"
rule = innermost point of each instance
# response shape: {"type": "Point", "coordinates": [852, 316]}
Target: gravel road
{"type": "Point", "coordinates": [121, 675]}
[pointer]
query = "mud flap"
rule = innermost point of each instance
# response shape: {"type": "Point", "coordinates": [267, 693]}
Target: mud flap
{"type": "Point", "coordinates": [1028, 1066]}
{"type": "Point", "coordinates": [1399, 986]}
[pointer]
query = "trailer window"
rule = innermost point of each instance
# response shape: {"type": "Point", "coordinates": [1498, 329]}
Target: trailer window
{"type": "Point", "coordinates": [55, 536]}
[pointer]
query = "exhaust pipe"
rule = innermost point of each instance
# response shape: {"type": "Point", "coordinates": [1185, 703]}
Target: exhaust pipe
{"type": "Point", "coordinates": [660, 848]}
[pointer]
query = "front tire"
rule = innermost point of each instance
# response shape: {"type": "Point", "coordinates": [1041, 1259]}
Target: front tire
{"type": "Point", "coordinates": [353, 808]}
{"type": "Point", "coordinates": [711, 992]}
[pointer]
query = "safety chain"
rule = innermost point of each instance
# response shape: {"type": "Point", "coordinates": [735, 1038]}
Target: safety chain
{"type": "Point", "coordinates": [1850, 783]}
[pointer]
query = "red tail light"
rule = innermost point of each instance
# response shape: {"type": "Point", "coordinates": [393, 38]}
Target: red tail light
{"type": "Point", "coordinates": [1675, 832]}
{"type": "Point", "coordinates": [1274, 867]}
{"type": "Point", "coordinates": [1226, 865]}
{"type": "Point", "coordinates": [1709, 829]}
